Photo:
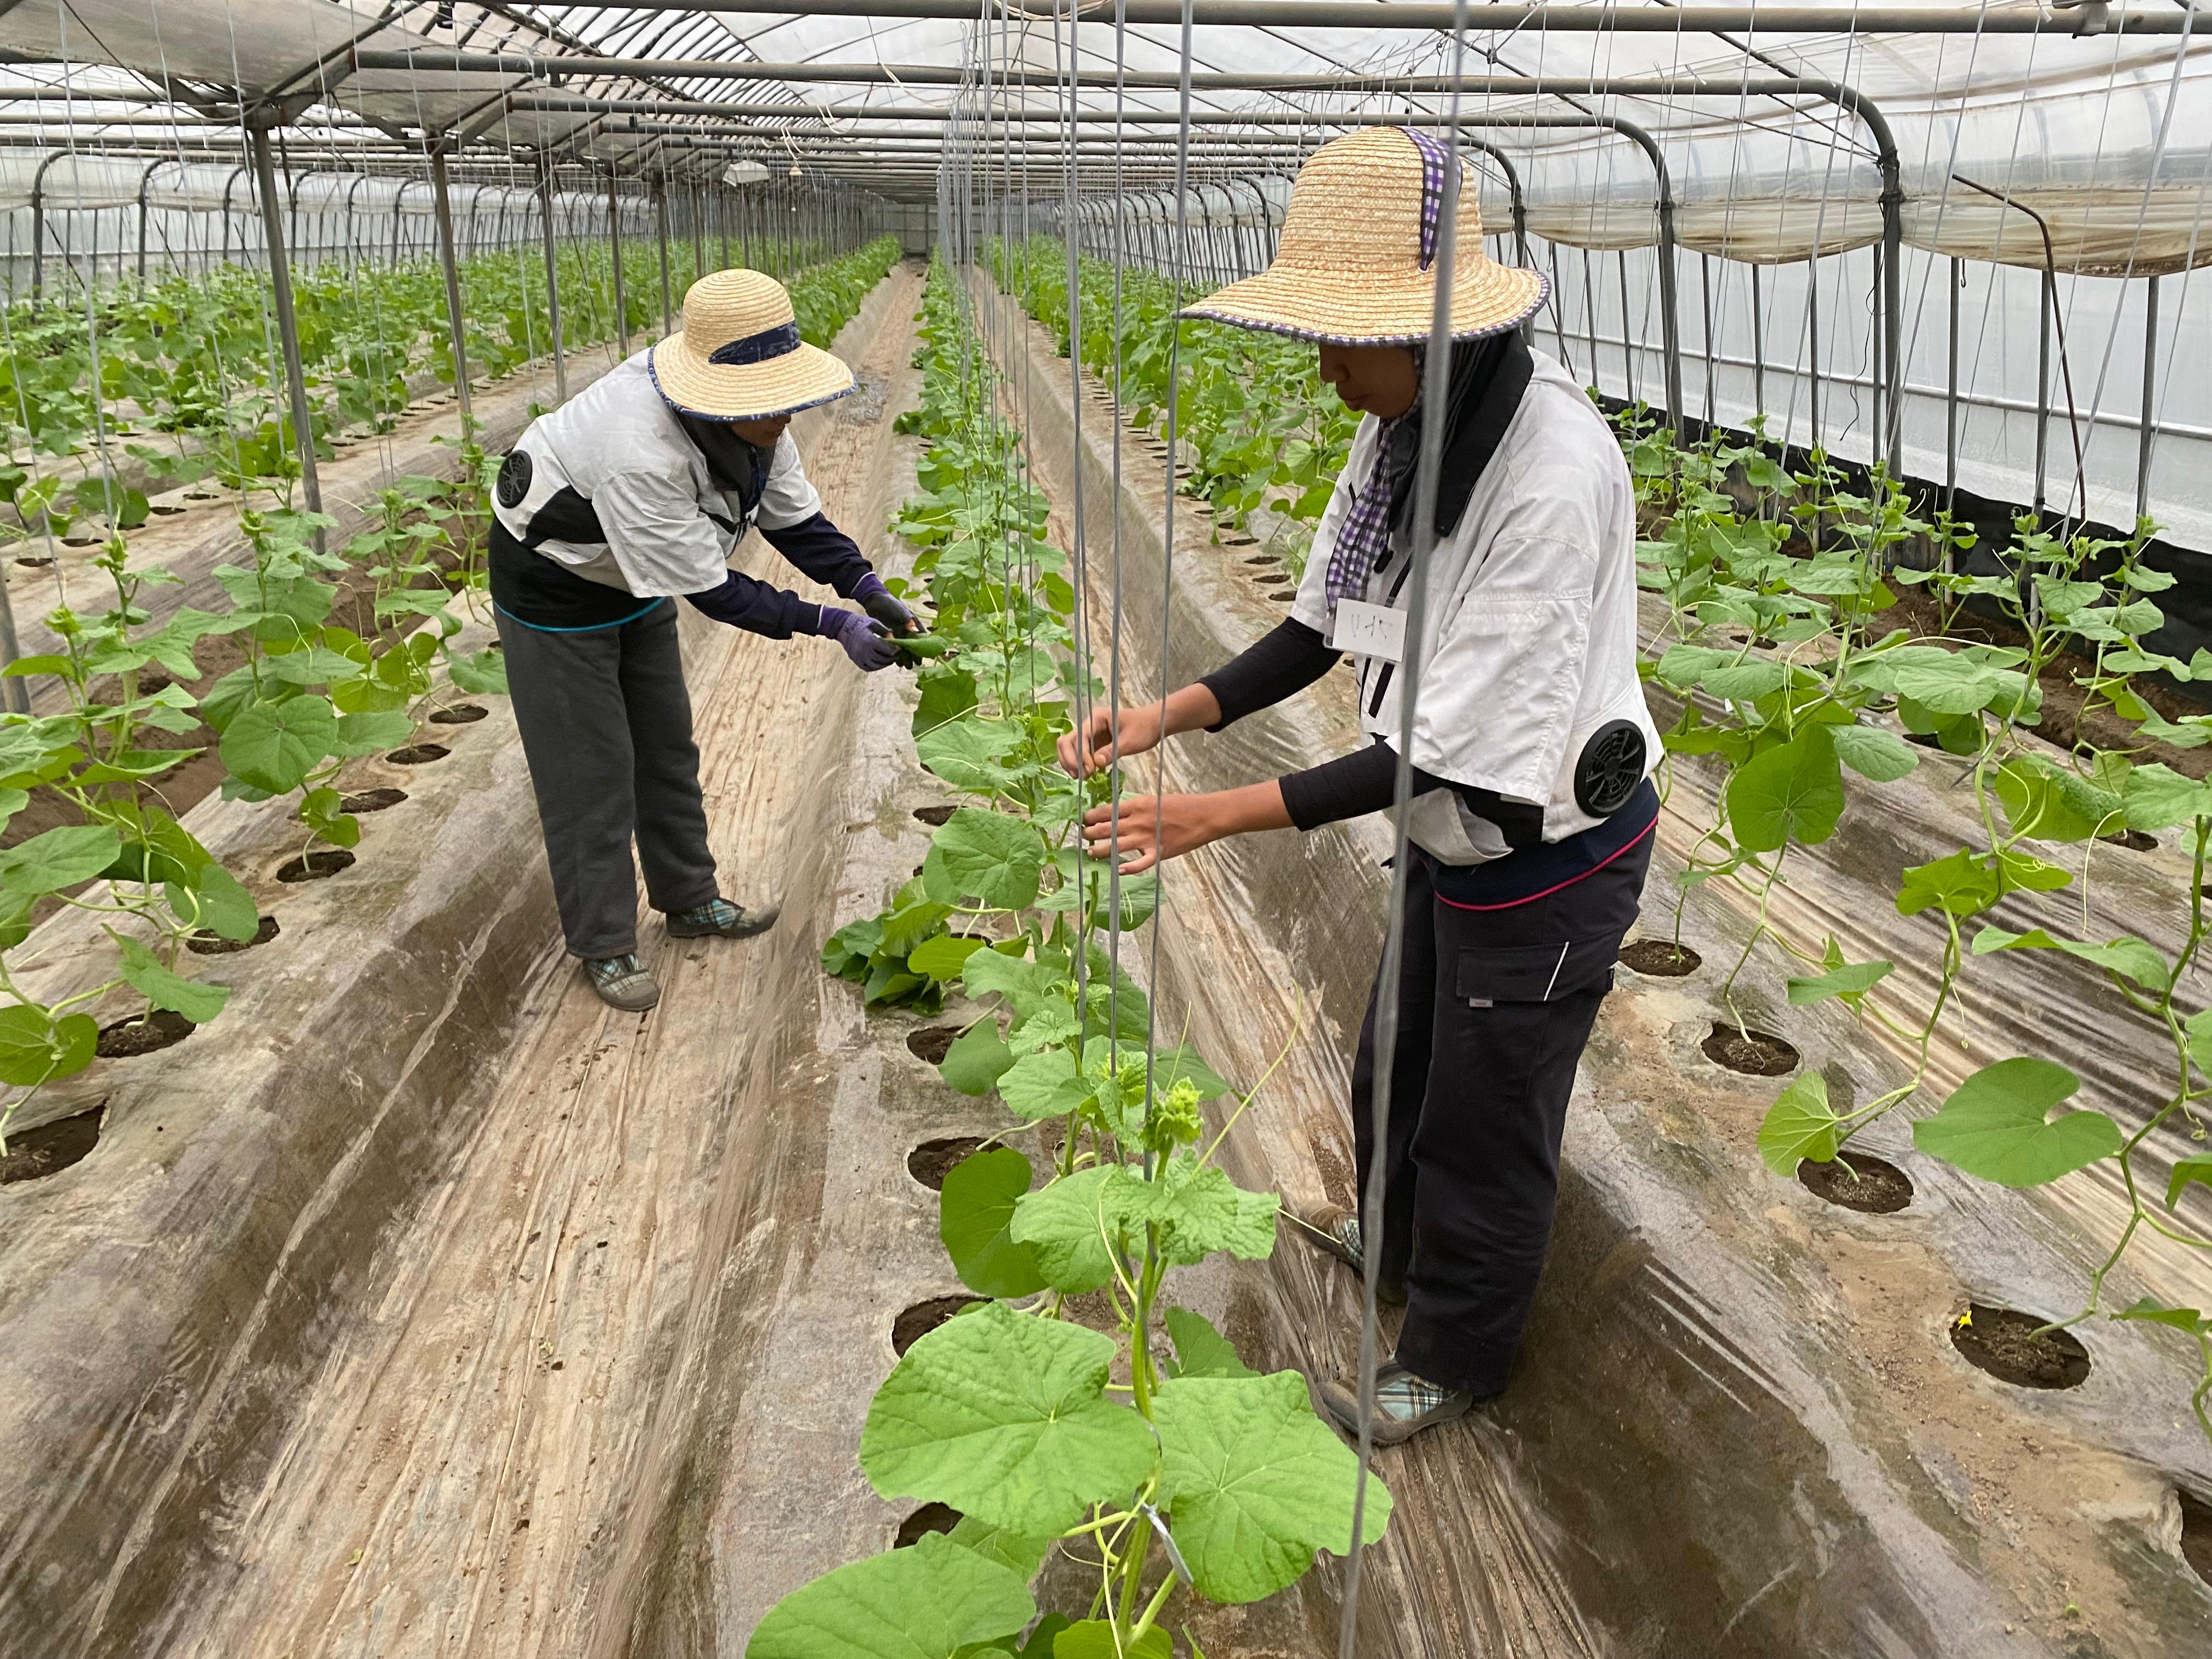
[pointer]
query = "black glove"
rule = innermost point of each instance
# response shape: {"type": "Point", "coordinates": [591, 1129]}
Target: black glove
{"type": "Point", "coordinates": [880, 603]}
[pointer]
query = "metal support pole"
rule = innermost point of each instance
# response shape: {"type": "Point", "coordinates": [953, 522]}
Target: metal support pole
{"type": "Point", "coordinates": [1706, 281]}
{"type": "Point", "coordinates": [143, 178]}
{"type": "Point", "coordinates": [1951, 398]}
{"type": "Point", "coordinates": [1880, 448]}
{"type": "Point", "coordinates": [1758, 349]}
{"type": "Point", "coordinates": [552, 275]}
{"type": "Point", "coordinates": [660, 225]}
{"type": "Point", "coordinates": [1813, 344]}
{"type": "Point", "coordinates": [614, 243]}
{"type": "Point", "coordinates": [442, 200]}
{"type": "Point", "coordinates": [1627, 340]}
{"type": "Point", "coordinates": [2046, 285]}
{"type": "Point", "coordinates": [2148, 434]}
{"type": "Point", "coordinates": [698, 237]}
{"type": "Point", "coordinates": [287, 320]}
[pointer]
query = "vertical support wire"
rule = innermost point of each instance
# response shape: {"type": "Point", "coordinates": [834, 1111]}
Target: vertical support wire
{"type": "Point", "coordinates": [1435, 404]}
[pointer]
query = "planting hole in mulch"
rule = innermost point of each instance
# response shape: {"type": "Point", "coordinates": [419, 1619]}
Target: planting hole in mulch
{"type": "Point", "coordinates": [2196, 1534]}
{"type": "Point", "coordinates": [158, 1030]}
{"type": "Point", "coordinates": [318, 865]}
{"type": "Point", "coordinates": [1262, 559]}
{"type": "Point", "coordinates": [1757, 1053]}
{"type": "Point", "coordinates": [2004, 1342]}
{"type": "Point", "coordinates": [52, 1147]}
{"type": "Point", "coordinates": [2134, 839]}
{"type": "Point", "coordinates": [207, 943]}
{"type": "Point", "coordinates": [935, 816]}
{"type": "Point", "coordinates": [418, 754]}
{"type": "Point", "coordinates": [461, 713]}
{"type": "Point", "coordinates": [931, 1043]}
{"type": "Point", "coordinates": [933, 1160]}
{"type": "Point", "coordinates": [1661, 958]}
{"type": "Point", "coordinates": [372, 800]}
{"type": "Point", "coordinates": [35, 560]}
{"type": "Point", "coordinates": [1872, 1186]}
{"type": "Point", "coordinates": [1284, 593]}
{"type": "Point", "coordinates": [930, 1517]}
{"type": "Point", "coordinates": [919, 1321]}
{"type": "Point", "coordinates": [1925, 739]}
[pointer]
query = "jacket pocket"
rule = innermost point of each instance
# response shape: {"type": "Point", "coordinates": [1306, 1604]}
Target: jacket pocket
{"type": "Point", "coordinates": [1533, 973]}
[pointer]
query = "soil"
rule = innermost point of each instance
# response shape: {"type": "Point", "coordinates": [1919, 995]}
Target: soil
{"type": "Point", "coordinates": [931, 1043]}
{"type": "Point", "coordinates": [461, 713]}
{"type": "Point", "coordinates": [919, 1321]}
{"type": "Point", "coordinates": [1661, 958]}
{"type": "Point", "coordinates": [2004, 1342]}
{"type": "Point", "coordinates": [418, 754]}
{"type": "Point", "coordinates": [207, 944]}
{"type": "Point", "coordinates": [2196, 1534]}
{"type": "Point", "coordinates": [372, 800]}
{"type": "Point", "coordinates": [1757, 1053]}
{"type": "Point", "coordinates": [135, 1035]}
{"type": "Point", "coordinates": [936, 816]}
{"type": "Point", "coordinates": [930, 1517]}
{"type": "Point", "coordinates": [52, 1147]}
{"type": "Point", "coordinates": [318, 865]}
{"type": "Point", "coordinates": [2134, 839]}
{"type": "Point", "coordinates": [931, 1161]}
{"type": "Point", "coordinates": [1872, 1186]}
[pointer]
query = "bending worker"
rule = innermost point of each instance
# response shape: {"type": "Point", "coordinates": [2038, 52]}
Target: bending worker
{"type": "Point", "coordinates": [1532, 824]}
{"type": "Point", "coordinates": [629, 495]}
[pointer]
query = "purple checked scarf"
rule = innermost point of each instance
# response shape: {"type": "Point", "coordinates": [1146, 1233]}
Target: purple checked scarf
{"type": "Point", "coordinates": [1362, 536]}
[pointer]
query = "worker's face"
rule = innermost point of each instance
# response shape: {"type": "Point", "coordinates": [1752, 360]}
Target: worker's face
{"type": "Point", "coordinates": [1378, 381]}
{"type": "Point", "coordinates": [761, 435]}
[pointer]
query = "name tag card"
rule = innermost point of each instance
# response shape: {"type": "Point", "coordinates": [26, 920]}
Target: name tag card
{"type": "Point", "coordinates": [1370, 630]}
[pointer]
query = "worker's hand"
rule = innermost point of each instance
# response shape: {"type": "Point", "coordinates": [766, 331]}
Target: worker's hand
{"type": "Point", "coordinates": [865, 641]}
{"type": "Point", "coordinates": [885, 606]}
{"type": "Point", "coordinates": [1151, 829]}
{"type": "Point", "coordinates": [1109, 732]}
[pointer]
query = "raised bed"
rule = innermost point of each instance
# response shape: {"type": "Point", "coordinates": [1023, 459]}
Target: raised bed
{"type": "Point", "coordinates": [1741, 1425]}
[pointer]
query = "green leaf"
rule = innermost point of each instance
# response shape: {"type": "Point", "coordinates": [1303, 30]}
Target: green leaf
{"type": "Point", "coordinates": [1009, 1549]}
{"type": "Point", "coordinates": [966, 753]}
{"type": "Point", "coordinates": [1851, 980]}
{"type": "Point", "coordinates": [2127, 955]}
{"type": "Point", "coordinates": [988, 856]}
{"type": "Point", "coordinates": [2196, 1168]}
{"type": "Point", "coordinates": [1874, 753]}
{"type": "Point", "coordinates": [1039, 1646]}
{"type": "Point", "coordinates": [975, 1208]}
{"type": "Point", "coordinates": [1201, 1351]}
{"type": "Point", "coordinates": [484, 672]}
{"type": "Point", "coordinates": [274, 745]}
{"type": "Point", "coordinates": [2157, 1313]}
{"type": "Point", "coordinates": [1960, 883]}
{"type": "Point", "coordinates": [1182, 1065]}
{"type": "Point", "coordinates": [312, 664]}
{"type": "Point", "coordinates": [152, 979]}
{"type": "Point", "coordinates": [1045, 1084]}
{"type": "Point", "coordinates": [1094, 1638]}
{"type": "Point", "coordinates": [1003, 1417]}
{"type": "Point", "coordinates": [1063, 1223]}
{"type": "Point", "coordinates": [1800, 1125]}
{"type": "Point", "coordinates": [58, 858]}
{"type": "Point", "coordinates": [1254, 1484]}
{"type": "Point", "coordinates": [21, 751]}
{"type": "Point", "coordinates": [978, 1057]}
{"type": "Point", "coordinates": [2155, 797]}
{"type": "Point", "coordinates": [1029, 986]}
{"type": "Point", "coordinates": [225, 908]}
{"type": "Point", "coordinates": [1791, 792]}
{"type": "Point", "coordinates": [1197, 1209]}
{"type": "Point", "coordinates": [1993, 1125]}
{"type": "Point", "coordinates": [929, 1602]}
{"type": "Point", "coordinates": [35, 1048]}
{"type": "Point", "coordinates": [944, 956]}
{"type": "Point", "coordinates": [366, 733]}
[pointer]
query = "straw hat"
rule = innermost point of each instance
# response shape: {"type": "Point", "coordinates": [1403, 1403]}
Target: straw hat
{"type": "Point", "coordinates": [1355, 264]}
{"type": "Point", "coordinates": [739, 357]}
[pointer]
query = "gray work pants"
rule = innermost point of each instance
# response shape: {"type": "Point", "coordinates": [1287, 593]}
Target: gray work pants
{"type": "Point", "coordinates": [606, 727]}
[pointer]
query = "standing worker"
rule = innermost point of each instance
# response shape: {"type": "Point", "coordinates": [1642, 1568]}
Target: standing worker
{"type": "Point", "coordinates": [1532, 824]}
{"type": "Point", "coordinates": [634, 493]}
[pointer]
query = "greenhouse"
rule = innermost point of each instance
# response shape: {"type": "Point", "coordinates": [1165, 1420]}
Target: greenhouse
{"type": "Point", "coordinates": [1437, 888]}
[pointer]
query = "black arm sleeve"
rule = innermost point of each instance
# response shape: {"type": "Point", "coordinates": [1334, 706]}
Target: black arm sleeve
{"type": "Point", "coordinates": [1277, 665]}
{"type": "Point", "coordinates": [746, 602]}
{"type": "Point", "coordinates": [822, 551]}
{"type": "Point", "coordinates": [1350, 787]}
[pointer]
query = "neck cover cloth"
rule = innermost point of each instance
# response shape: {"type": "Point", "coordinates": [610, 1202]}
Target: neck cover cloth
{"type": "Point", "coordinates": [1364, 534]}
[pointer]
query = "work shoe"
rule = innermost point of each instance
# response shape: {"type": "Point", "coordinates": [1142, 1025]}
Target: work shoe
{"type": "Point", "coordinates": [1404, 1404]}
{"type": "Point", "coordinates": [622, 982]}
{"type": "Point", "coordinates": [1335, 1230]}
{"type": "Point", "coordinates": [719, 917]}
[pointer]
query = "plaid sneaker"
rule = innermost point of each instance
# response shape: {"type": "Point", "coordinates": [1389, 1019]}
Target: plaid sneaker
{"type": "Point", "coordinates": [1335, 1230]}
{"type": "Point", "coordinates": [1404, 1404]}
{"type": "Point", "coordinates": [622, 982]}
{"type": "Point", "coordinates": [719, 917]}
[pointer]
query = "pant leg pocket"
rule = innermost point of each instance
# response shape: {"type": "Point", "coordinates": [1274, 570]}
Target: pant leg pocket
{"type": "Point", "coordinates": [1487, 975]}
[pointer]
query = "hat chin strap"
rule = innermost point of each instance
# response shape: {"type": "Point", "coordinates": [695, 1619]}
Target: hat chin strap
{"type": "Point", "coordinates": [778, 342]}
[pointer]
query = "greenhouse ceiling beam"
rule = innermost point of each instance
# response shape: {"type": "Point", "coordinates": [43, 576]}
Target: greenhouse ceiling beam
{"type": "Point", "coordinates": [2087, 19]}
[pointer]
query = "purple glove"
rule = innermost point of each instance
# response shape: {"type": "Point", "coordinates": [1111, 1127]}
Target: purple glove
{"type": "Point", "coordinates": [879, 601]}
{"type": "Point", "coordinates": [865, 641]}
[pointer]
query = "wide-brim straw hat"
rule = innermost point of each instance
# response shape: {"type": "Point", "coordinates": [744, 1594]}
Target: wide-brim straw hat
{"type": "Point", "coordinates": [1356, 264]}
{"type": "Point", "coordinates": [739, 357]}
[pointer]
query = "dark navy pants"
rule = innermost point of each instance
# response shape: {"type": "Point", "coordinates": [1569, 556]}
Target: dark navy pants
{"type": "Point", "coordinates": [1494, 1010]}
